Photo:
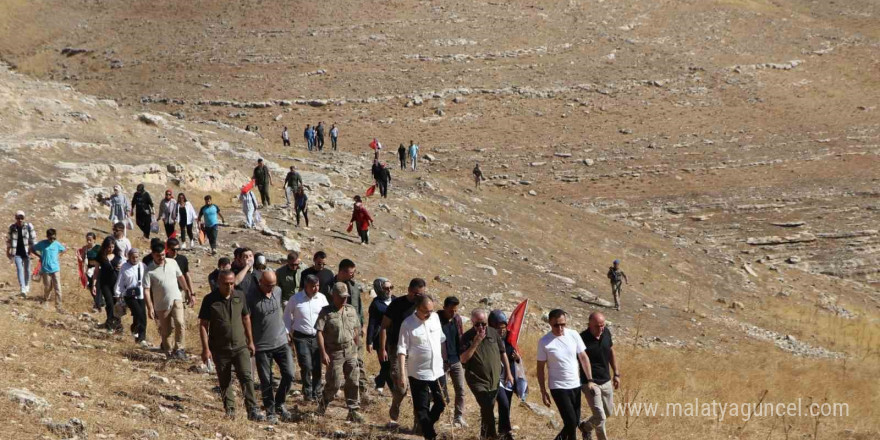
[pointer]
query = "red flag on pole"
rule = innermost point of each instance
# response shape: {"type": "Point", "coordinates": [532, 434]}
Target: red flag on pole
{"type": "Point", "coordinates": [515, 322]}
{"type": "Point", "coordinates": [376, 145]}
{"type": "Point", "coordinates": [371, 190]}
{"type": "Point", "coordinates": [81, 271]}
{"type": "Point", "coordinates": [248, 186]}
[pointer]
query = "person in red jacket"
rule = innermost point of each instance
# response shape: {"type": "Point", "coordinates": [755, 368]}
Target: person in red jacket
{"type": "Point", "coordinates": [362, 219]}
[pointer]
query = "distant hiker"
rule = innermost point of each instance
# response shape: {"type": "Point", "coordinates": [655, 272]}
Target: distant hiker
{"type": "Point", "coordinates": [382, 175]}
{"type": "Point", "coordinates": [142, 209]}
{"type": "Point", "coordinates": [119, 208]}
{"type": "Point", "coordinates": [285, 137]}
{"type": "Point", "coordinates": [270, 342]}
{"type": "Point", "coordinates": [122, 243]}
{"type": "Point", "coordinates": [172, 250]}
{"type": "Point", "coordinates": [478, 175]}
{"type": "Point", "coordinates": [186, 215]}
{"type": "Point", "coordinates": [498, 321]}
{"type": "Point", "coordinates": [209, 221]}
{"type": "Point", "coordinates": [362, 220]}
{"type": "Point", "coordinates": [419, 352]}
{"type": "Point", "coordinates": [109, 262]}
{"type": "Point", "coordinates": [130, 289]}
{"type": "Point", "coordinates": [562, 353]}
{"type": "Point", "coordinates": [389, 335]}
{"type": "Point", "coordinates": [339, 336]}
{"type": "Point", "coordinates": [88, 256]}
{"type": "Point", "coordinates": [300, 316]}
{"type": "Point", "coordinates": [486, 367]}
{"type": "Point", "coordinates": [334, 135]}
{"type": "Point", "coordinates": [307, 134]}
{"type": "Point", "coordinates": [600, 350]}
{"type": "Point", "coordinates": [401, 156]}
{"type": "Point", "coordinates": [413, 154]}
{"type": "Point", "coordinates": [225, 332]}
{"type": "Point", "coordinates": [450, 322]}
{"type": "Point", "coordinates": [292, 182]}
{"type": "Point", "coordinates": [224, 263]}
{"type": "Point", "coordinates": [50, 251]}
{"type": "Point", "coordinates": [165, 303]}
{"type": "Point", "coordinates": [248, 207]}
{"type": "Point", "coordinates": [263, 179]}
{"type": "Point", "coordinates": [313, 141]}
{"type": "Point", "coordinates": [382, 287]}
{"type": "Point", "coordinates": [617, 277]}
{"type": "Point", "coordinates": [320, 270]}
{"type": "Point", "coordinates": [19, 245]}
{"type": "Point", "coordinates": [300, 204]}
{"type": "Point", "coordinates": [345, 276]}
{"type": "Point", "coordinates": [168, 213]}
{"type": "Point", "coordinates": [319, 136]}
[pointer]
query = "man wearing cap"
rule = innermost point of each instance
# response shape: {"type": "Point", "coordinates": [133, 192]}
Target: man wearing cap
{"type": "Point", "coordinates": [263, 178]}
{"type": "Point", "coordinates": [339, 333]}
{"type": "Point", "coordinates": [347, 270]}
{"type": "Point", "coordinates": [617, 277]}
{"type": "Point", "coordinates": [485, 363]}
{"type": "Point", "coordinates": [19, 244]}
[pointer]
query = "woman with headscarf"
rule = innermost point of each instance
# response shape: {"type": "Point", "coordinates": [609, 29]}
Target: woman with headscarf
{"type": "Point", "coordinates": [186, 215]}
{"type": "Point", "coordinates": [498, 321]}
{"type": "Point", "coordinates": [142, 210]}
{"type": "Point", "coordinates": [109, 262]}
{"type": "Point", "coordinates": [248, 206]}
{"type": "Point", "coordinates": [362, 218]}
{"type": "Point", "coordinates": [119, 208]}
{"type": "Point", "coordinates": [382, 287]}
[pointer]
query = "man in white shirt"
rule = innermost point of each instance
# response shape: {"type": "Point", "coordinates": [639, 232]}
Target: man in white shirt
{"type": "Point", "coordinates": [300, 316]}
{"type": "Point", "coordinates": [563, 351]}
{"type": "Point", "coordinates": [164, 281]}
{"type": "Point", "coordinates": [419, 351]}
{"type": "Point", "coordinates": [130, 288]}
{"type": "Point", "coordinates": [122, 242]}
{"type": "Point", "coordinates": [285, 137]}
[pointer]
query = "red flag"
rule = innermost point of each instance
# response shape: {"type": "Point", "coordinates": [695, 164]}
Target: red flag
{"type": "Point", "coordinates": [371, 190]}
{"type": "Point", "coordinates": [514, 324]}
{"type": "Point", "coordinates": [82, 275]}
{"type": "Point", "coordinates": [350, 227]}
{"type": "Point", "coordinates": [375, 144]}
{"type": "Point", "coordinates": [248, 186]}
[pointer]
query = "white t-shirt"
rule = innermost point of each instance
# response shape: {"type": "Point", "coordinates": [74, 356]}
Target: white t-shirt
{"type": "Point", "coordinates": [124, 245]}
{"type": "Point", "coordinates": [421, 342]}
{"type": "Point", "coordinates": [162, 283]}
{"type": "Point", "coordinates": [561, 355]}
{"type": "Point", "coordinates": [302, 312]}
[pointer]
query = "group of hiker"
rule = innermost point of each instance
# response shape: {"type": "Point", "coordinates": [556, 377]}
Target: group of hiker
{"type": "Point", "coordinates": [314, 136]}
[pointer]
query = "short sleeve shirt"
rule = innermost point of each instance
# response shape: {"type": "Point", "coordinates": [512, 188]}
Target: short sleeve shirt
{"type": "Point", "coordinates": [421, 342]}
{"type": "Point", "coordinates": [209, 214]}
{"type": "Point", "coordinates": [599, 352]}
{"type": "Point", "coordinates": [483, 369]}
{"type": "Point", "coordinates": [288, 280]}
{"type": "Point", "coordinates": [161, 282]}
{"type": "Point", "coordinates": [183, 263]}
{"type": "Point", "coordinates": [561, 355]}
{"type": "Point", "coordinates": [399, 309]}
{"type": "Point", "coordinates": [49, 251]}
{"type": "Point", "coordinates": [267, 318]}
{"type": "Point", "coordinates": [339, 327]}
{"type": "Point", "coordinates": [225, 329]}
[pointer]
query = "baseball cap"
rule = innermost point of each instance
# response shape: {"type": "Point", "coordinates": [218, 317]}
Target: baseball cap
{"type": "Point", "coordinates": [339, 288]}
{"type": "Point", "coordinates": [19, 214]}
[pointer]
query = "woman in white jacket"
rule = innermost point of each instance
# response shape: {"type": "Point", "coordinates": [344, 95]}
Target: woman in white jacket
{"type": "Point", "coordinates": [248, 207]}
{"type": "Point", "coordinates": [186, 216]}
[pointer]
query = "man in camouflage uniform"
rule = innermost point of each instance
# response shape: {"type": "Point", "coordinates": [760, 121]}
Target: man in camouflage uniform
{"type": "Point", "coordinates": [617, 277]}
{"type": "Point", "coordinates": [339, 330]}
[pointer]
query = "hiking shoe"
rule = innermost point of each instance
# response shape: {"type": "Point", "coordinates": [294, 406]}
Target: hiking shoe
{"type": "Point", "coordinates": [230, 413]}
{"type": "Point", "coordinates": [392, 424]}
{"type": "Point", "coordinates": [322, 407]}
{"type": "Point", "coordinates": [459, 422]}
{"type": "Point", "coordinates": [355, 416]}
{"type": "Point", "coordinates": [284, 414]}
{"type": "Point", "coordinates": [272, 419]}
{"type": "Point", "coordinates": [180, 354]}
{"type": "Point", "coordinates": [256, 416]}
{"type": "Point", "coordinates": [380, 391]}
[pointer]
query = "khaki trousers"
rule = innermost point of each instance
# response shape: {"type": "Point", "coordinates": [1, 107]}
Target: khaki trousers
{"type": "Point", "coordinates": [172, 319]}
{"type": "Point", "coordinates": [52, 283]}
{"type": "Point", "coordinates": [602, 404]}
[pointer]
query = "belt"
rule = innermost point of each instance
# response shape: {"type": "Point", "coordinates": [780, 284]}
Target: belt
{"type": "Point", "coordinates": [297, 334]}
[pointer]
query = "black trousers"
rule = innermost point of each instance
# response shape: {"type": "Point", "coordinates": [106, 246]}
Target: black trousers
{"type": "Point", "coordinates": [211, 234]}
{"type": "Point", "coordinates": [265, 359]}
{"type": "Point", "coordinates": [424, 394]}
{"type": "Point", "coordinates": [383, 188]}
{"type": "Point", "coordinates": [286, 142]}
{"type": "Point", "coordinates": [505, 398]}
{"type": "Point", "coordinates": [264, 194]}
{"type": "Point", "coordinates": [305, 213]}
{"type": "Point", "coordinates": [186, 229]}
{"type": "Point", "coordinates": [568, 402]}
{"type": "Point", "coordinates": [143, 222]}
{"type": "Point", "coordinates": [320, 143]}
{"type": "Point", "coordinates": [486, 401]}
{"type": "Point", "coordinates": [402, 162]}
{"type": "Point", "coordinates": [138, 317]}
{"type": "Point", "coordinates": [106, 293]}
{"type": "Point", "coordinates": [365, 236]}
{"type": "Point", "coordinates": [308, 356]}
{"type": "Point", "coordinates": [169, 229]}
{"type": "Point", "coordinates": [384, 377]}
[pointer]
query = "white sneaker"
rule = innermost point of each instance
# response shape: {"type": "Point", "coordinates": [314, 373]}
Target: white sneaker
{"type": "Point", "coordinates": [27, 289]}
{"type": "Point", "coordinates": [183, 245]}
{"type": "Point", "coordinates": [192, 243]}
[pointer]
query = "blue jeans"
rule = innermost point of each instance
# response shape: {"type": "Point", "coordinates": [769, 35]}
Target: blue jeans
{"type": "Point", "coordinates": [284, 357]}
{"type": "Point", "coordinates": [23, 270]}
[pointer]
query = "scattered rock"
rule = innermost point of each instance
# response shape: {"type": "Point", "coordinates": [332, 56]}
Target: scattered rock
{"type": "Point", "coordinates": [155, 378]}
{"type": "Point", "coordinates": [490, 269]}
{"type": "Point", "coordinates": [793, 224]}
{"type": "Point", "coordinates": [541, 411]}
{"type": "Point", "coordinates": [27, 400]}
{"type": "Point", "coordinates": [737, 305]}
{"type": "Point", "coordinates": [793, 259]}
{"type": "Point", "coordinates": [563, 155]}
{"type": "Point", "coordinates": [420, 216]}
{"type": "Point", "coordinates": [589, 162]}
{"type": "Point", "coordinates": [149, 119]}
{"type": "Point", "coordinates": [748, 268]}
{"type": "Point", "coordinates": [430, 157]}
{"type": "Point", "coordinates": [73, 429]}
{"type": "Point", "coordinates": [537, 164]}
{"type": "Point", "coordinates": [71, 51]}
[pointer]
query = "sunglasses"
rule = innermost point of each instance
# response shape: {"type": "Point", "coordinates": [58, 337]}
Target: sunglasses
{"type": "Point", "coordinates": [175, 249]}
{"type": "Point", "coordinates": [480, 324]}
{"type": "Point", "coordinates": [389, 287]}
{"type": "Point", "coordinates": [558, 325]}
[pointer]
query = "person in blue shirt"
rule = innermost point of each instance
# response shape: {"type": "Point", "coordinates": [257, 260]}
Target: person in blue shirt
{"type": "Point", "coordinates": [413, 154]}
{"type": "Point", "coordinates": [49, 251]}
{"type": "Point", "coordinates": [208, 222]}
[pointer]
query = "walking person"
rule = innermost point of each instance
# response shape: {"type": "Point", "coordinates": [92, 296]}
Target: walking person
{"type": "Point", "coordinates": [313, 138]}
{"type": "Point", "coordinates": [413, 154]}
{"type": "Point", "coordinates": [339, 336]}
{"type": "Point", "coordinates": [226, 336]}
{"type": "Point", "coordinates": [49, 252]}
{"type": "Point", "coordinates": [319, 136]}
{"type": "Point", "coordinates": [600, 351]}
{"type": "Point", "coordinates": [307, 134]}
{"type": "Point", "coordinates": [398, 311]}
{"type": "Point", "coordinates": [19, 245]}
{"type": "Point", "coordinates": [223, 263]}
{"type": "Point", "coordinates": [285, 137]}
{"type": "Point", "coordinates": [270, 342]}
{"type": "Point", "coordinates": [292, 183]}
{"type": "Point", "coordinates": [401, 156]}
{"type": "Point", "coordinates": [248, 207]}
{"type": "Point", "coordinates": [209, 221]}
{"type": "Point", "coordinates": [122, 243]}
{"type": "Point", "coordinates": [263, 179]}
{"type": "Point", "coordinates": [119, 208]}
{"type": "Point", "coordinates": [109, 263]}
{"type": "Point", "coordinates": [300, 316]}
{"type": "Point", "coordinates": [450, 322]}
{"type": "Point", "coordinates": [334, 135]}
{"type": "Point", "coordinates": [382, 176]}
{"type": "Point", "coordinates": [478, 175]}
{"type": "Point", "coordinates": [347, 270]}
{"type": "Point", "coordinates": [617, 277]}
{"type": "Point", "coordinates": [165, 303]}
{"type": "Point", "coordinates": [288, 277]}
{"type": "Point", "coordinates": [172, 250]}
{"type": "Point", "coordinates": [87, 256]}
{"type": "Point", "coordinates": [362, 219]}
{"type": "Point", "coordinates": [498, 321]}
{"type": "Point", "coordinates": [419, 352]}
{"type": "Point", "coordinates": [168, 213]}
{"type": "Point", "coordinates": [486, 366]}
{"type": "Point", "coordinates": [320, 270]}
{"type": "Point", "coordinates": [186, 215]}
{"type": "Point", "coordinates": [561, 352]}
{"type": "Point", "coordinates": [383, 288]}
{"type": "Point", "coordinates": [130, 289]}
{"type": "Point", "coordinates": [142, 209]}
{"type": "Point", "coordinates": [300, 202]}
